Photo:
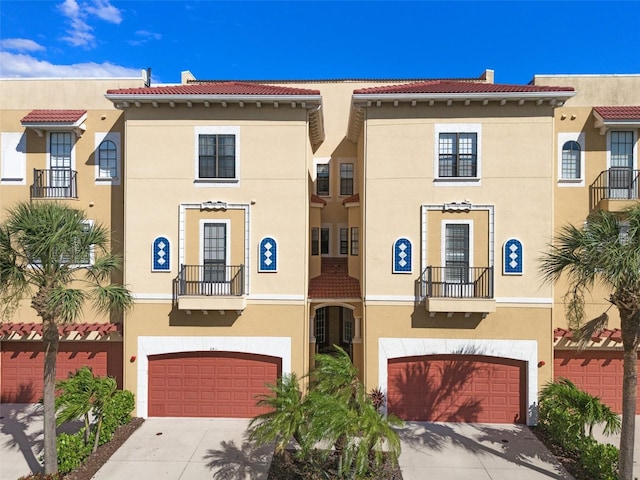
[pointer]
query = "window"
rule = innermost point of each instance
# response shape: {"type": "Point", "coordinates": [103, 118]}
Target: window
{"type": "Point", "coordinates": [80, 253]}
{"type": "Point", "coordinates": [107, 160]}
{"type": "Point", "coordinates": [321, 323]}
{"type": "Point", "coordinates": [456, 253]}
{"type": "Point", "coordinates": [570, 161]}
{"type": "Point", "coordinates": [214, 252]}
{"type": "Point", "coordinates": [346, 179]}
{"type": "Point", "coordinates": [621, 177]}
{"type": "Point", "coordinates": [322, 180]}
{"type": "Point", "coordinates": [355, 241]}
{"type": "Point", "coordinates": [344, 241]}
{"type": "Point", "coordinates": [60, 145]}
{"type": "Point", "coordinates": [347, 325]}
{"type": "Point", "coordinates": [458, 155]}
{"type": "Point", "coordinates": [324, 241]}
{"type": "Point", "coordinates": [315, 241]}
{"type": "Point", "coordinates": [216, 156]}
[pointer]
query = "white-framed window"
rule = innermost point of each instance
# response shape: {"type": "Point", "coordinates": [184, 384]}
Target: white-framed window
{"type": "Point", "coordinates": [13, 158]}
{"type": "Point", "coordinates": [458, 154]}
{"type": "Point", "coordinates": [457, 250]}
{"type": "Point", "coordinates": [215, 251]}
{"type": "Point", "coordinates": [315, 241]}
{"type": "Point", "coordinates": [107, 158]}
{"type": "Point", "coordinates": [571, 159]}
{"type": "Point", "coordinates": [321, 326]}
{"type": "Point", "coordinates": [61, 158]}
{"type": "Point", "coordinates": [355, 241]}
{"type": "Point", "coordinates": [346, 179]}
{"type": "Point", "coordinates": [322, 176]}
{"type": "Point", "coordinates": [217, 155]}
{"type": "Point", "coordinates": [325, 241]}
{"type": "Point", "coordinates": [344, 241]}
{"type": "Point", "coordinates": [347, 325]}
{"type": "Point", "coordinates": [622, 161]}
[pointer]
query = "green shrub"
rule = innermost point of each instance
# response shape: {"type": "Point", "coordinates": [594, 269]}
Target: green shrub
{"type": "Point", "coordinates": [72, 451]}
{"type": "Point", "coordinates": [600, 460]}
{"type": "Point", "coordinates": [116, 412]}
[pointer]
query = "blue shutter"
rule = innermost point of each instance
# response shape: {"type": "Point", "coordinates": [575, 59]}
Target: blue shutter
{"type": "Point", "coordinates": [268, 255]}
{"type": "Point", "coordinates": [402, 256]}
{"type": "Point", "coordinates": [161, 255]}
{"type": "Point", "coordinates": [513, 257]}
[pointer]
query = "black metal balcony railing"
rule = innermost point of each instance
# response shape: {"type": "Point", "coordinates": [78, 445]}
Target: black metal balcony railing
{"type": "Point", "coordinates": [210, 280]}
{"type": "Point", "coordinates": [54, 183]}
{"type": "Point", "coordinates": [457, 282]}
{"type": "Point", "coordinates": [617, 183]}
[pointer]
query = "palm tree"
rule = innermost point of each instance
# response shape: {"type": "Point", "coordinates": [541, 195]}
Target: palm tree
{"type": "Point", "coordinates": [50, 254]}
{"type": "Point", "coordinates": [606, 251]}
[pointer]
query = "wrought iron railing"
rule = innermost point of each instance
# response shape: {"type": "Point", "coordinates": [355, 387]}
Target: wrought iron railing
{"type": "Point", "coordinates": [210, 280]}
{"type": "Point", "coordinates": [457, 282]}
{"type": "Point", "coordinates": [54, 183]}
{"type": "Point", "coordinates": [617, 183]}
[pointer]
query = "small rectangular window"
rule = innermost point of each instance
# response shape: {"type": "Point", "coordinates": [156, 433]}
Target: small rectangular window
{"type": "Point", "coordinates": [355, 241]}
{"type": "Point", "coordinates": [347, 325]}
{"type": "Point", "coordinates": [344, 241]}
{"type": "Point", "coordinates": [324, 241]}
{"type": "Point", "coordinates": [320, 332]}
{"type": "Point", "coordinates": [216, 156]}
{"type": "Point", "coordinates": [322, 180]}
{"type": "Point", "coordinates": [346, 179]}
{"type": "Point", "coordinates": [315, 241]}
{"type": "Point", "coordinates": [458, 154]}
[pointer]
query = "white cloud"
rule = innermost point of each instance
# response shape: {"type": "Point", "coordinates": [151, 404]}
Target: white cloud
{"type": "Point", "coordinates": [14, 65]}
{"type": "Point", "coordinates": [20, 45]}
{"type": "Point", "coordinates": [144, 36]}
{"type": "Point", "coordinates": [80, 33]}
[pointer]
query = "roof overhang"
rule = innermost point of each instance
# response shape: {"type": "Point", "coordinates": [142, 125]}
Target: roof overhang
{"type": "Point", "coordinates": [76, 127]}
{"type": "Point", "coordinates": [362, 101]}
{"type": "Point", "coordinates": [604, 124]}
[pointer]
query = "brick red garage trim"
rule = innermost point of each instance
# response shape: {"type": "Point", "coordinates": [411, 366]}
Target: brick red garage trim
{"type": "Point", "coordinates": [22, 366]}
{"type": "Point", "coordinates": [209, 384]}
{"type": "Point", "coordinates": [598, 372]}
{"type": "Point", "coordinates": [457, 388]}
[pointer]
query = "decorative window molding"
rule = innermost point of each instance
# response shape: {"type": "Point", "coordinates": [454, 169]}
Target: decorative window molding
{"type": "Point", "coordinates": [564, 140]}
{"type": "Point", "coordinates": [402, 256]}
{"type": "Point", "coordinates": [13, 158]}
{"type": "Point", "coordinates": [212, 181]}
{"type": "Point", "coordinates": [161, 255]}
{"type": "Point", "coordinates": [457, 128]}
{"type": "Point", "coordinates": [512, 257]}
{"type": "Point", "coordinates": [268, 255]}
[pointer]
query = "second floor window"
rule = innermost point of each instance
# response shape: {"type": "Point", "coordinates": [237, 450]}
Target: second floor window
{"type": "Point", "coordinates": [344, 241]}
{"type": "Point", "coordinates": [216, 156]}
{"type": "Point", "coordinates": [458, 154]}
{"type": "Point", "coordinates": [324, 241]}
{"type": "Point", "coordinates": [107, 160]}
{"type": "Point", "coordinates": [322, 180]}
{"type": "Point", "coordinates": [355, 241]}
{"type": "Point", "coordinates": [346, 179]}
{"type": "Point", "coordinates": [571, 160]}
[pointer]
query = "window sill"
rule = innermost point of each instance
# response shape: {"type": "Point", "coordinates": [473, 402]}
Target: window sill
{"type": "Point", "coordinates": [457, 181]}
{"type": "Point", "coordinates": [571, 182]}
{"type": "Point", "coordinates": [108, 181]}
{"type": "Point", "coordinates": [216, 182]}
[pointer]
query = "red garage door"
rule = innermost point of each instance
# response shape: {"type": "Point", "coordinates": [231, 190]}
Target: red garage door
{"type": "Point", "coordinates": [209, 384]}
{"type": "Point", "coordinates": [22, 366]}
{"type": "Point", "coordinates": [599, 373]}
{"type": "Point", "coordinates": [457, 388]}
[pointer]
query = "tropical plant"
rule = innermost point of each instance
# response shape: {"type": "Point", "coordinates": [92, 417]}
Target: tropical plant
{"type": "Point", "coordinates": [85, 395]}
{"type": "Point", "coordinates": [336, 412]}
{"type": "Point", "coordinates": [606, 250]}
{"type": "Point", "coordinates": [50, 254]}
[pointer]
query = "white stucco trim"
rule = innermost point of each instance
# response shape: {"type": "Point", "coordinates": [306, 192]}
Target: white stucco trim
{"type": "Point", "coordinates": [526, 350]}
{"type": "Point", "coordinates": [279, 347]}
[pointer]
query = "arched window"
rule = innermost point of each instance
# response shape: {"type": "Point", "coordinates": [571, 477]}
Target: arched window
{"type": "Point", "coordinates": [571, 160]}
{"type": "Point", "coordinates": [107, 160]}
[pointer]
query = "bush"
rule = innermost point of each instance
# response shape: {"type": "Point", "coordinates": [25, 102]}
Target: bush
{"type": "Point", "coordinates": [600, 460]}
{"type": "Point", "coordinates": [116, 412]}
{"type": "Point", "coordinates": [72, 451]}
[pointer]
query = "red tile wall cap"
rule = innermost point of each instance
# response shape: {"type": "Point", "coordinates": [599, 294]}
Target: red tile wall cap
{"type": "Point", "coordinates": [444, 86]}
{"type": "Point", "coordinates": [319, 200]}
{"type": "Point", "coordinates": [352, 199]}
{"type": "Point", "coordinates": [221, 88]}
{"type": "Point", "coordinates": [631, 112]}
{"type": "Point", "coordinates": [82, 328]}
{"type": "Point", "coordinates": [53, 116]}
{"type": "Point", "coordinates": [334, 282]}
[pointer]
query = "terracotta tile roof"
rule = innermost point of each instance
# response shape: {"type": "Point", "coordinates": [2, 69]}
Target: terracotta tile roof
{"type": "Point", "coordinates": [619, 113]}
{"type": "Point", "coordinates": [316, 199]}
{"type": "Point", "coordinates": [221, 88]}
{"type": "Point", "coordinates": [25, 329]}
{"type": "Point", "coordinates": [614, 335]}
{"type": "Point", "coordinates": [53, 116]}
{"type": "Point", "coordinates": [352, 199]}
{"type": "Point", "coordinates": [333, 281]}
{"type": "Point", "coordinates": [446, 86]}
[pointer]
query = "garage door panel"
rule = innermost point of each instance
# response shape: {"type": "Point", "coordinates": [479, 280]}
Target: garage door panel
{"type": "Point", "coordinates": [599, 373]}
{"type": "Point", "coordinates": [211, 384]}
{"type": "Point", "coordinates": [469, 388]}
{"type": "Point", "coordinates": [22, 365]}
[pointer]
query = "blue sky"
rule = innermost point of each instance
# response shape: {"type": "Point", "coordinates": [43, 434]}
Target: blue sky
{"type": "Point", "coordinates": [268, 40]}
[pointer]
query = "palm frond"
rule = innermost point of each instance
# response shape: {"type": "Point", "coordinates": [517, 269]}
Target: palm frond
{"type": "Point", "coordinates": [590, 329]}
{"type": "Point", "coordinates": [65, 303]}
{"type": "Point", "coordinates": [112, 297]}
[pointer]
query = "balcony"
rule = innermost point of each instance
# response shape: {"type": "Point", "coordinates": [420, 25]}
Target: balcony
{"type": "Point", "coordinates": [54, 183]}
{"type": "Point", "coordinates": [210, 287]}
{"type": "Point", "coordinates": [458, 290]}
{"type": "Point", "coordinates": [615, 189]}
